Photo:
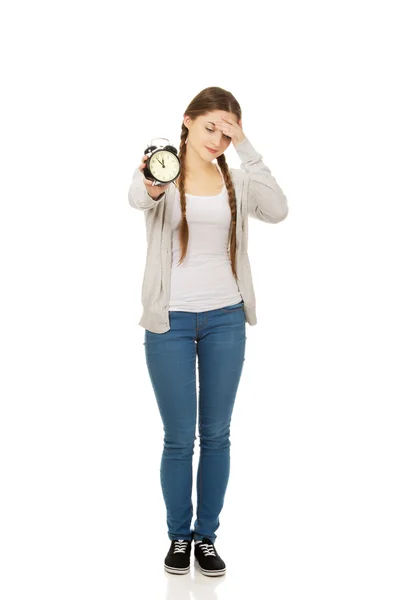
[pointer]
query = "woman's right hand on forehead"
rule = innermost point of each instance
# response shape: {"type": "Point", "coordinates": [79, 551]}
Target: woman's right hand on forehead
{"type": "Point", "coordinates": [153, 190]}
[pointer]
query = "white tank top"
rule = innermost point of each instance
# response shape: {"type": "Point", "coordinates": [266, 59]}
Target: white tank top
{"type": "Point", "coordinates": [204, 280]}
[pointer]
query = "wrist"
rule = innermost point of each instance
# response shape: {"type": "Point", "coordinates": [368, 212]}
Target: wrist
{"type": "Point", "coordinates": [237, 142]}
{"type": "Point", "coordinates": [157, 197]}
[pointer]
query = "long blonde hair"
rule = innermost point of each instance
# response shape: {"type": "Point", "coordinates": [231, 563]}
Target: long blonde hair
{"type": "Point", "coordinates": [208, 100]}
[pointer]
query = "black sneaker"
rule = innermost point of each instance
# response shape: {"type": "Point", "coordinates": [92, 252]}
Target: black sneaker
{"type": "Point", "coordinates": [210, 562]}
{"type": "Point", "coordinates": [177, 560]}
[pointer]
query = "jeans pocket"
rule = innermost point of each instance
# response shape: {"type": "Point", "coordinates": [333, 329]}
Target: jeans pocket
{"type": "Point", "coordinates": [234, 307]}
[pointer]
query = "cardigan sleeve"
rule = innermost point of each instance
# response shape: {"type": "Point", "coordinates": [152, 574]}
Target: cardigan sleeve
{"type": "Point", "coordinates": [137, 193]}
{"type": "Point", "coordinates": [266, 200]}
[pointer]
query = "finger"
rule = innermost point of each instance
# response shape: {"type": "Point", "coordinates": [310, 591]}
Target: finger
{"type": "Point", "coordinates": [149, 183]}
{"type": "Point", "coordinates": [143, 163]}
{"type": "Point", "coordinates": [223, 126]}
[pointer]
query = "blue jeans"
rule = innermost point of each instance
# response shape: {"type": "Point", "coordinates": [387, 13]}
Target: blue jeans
{"type": "Point", "coordinates": [219, 338]}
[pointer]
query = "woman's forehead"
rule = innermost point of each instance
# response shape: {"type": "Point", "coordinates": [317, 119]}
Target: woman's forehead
{"type": "Point", "coordinates": [218, 115]}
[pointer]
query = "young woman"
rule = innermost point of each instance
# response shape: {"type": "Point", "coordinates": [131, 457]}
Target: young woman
{"type": "Point", "coordinates": [197, 296]}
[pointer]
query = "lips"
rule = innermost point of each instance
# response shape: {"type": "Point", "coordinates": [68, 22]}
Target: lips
{"type": "Point", "coordinates": [212, 151]}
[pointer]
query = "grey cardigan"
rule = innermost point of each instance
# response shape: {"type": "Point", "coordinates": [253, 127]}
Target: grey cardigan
{"type": "Point", "coordinates": [258, 195]}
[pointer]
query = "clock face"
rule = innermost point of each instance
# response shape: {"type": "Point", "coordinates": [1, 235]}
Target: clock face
{"type": "Point", "coordinates": [164, 165]}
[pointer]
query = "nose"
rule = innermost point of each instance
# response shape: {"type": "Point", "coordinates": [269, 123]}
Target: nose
{"type": "Point", "coordinates": [215, 146]}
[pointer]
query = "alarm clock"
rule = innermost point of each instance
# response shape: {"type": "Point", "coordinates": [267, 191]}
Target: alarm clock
{"type": "Point", "coordinates": [163, 165]}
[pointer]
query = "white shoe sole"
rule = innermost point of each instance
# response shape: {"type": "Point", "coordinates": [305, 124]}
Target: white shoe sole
{"type": "Point", "coordinates": [176, 571]}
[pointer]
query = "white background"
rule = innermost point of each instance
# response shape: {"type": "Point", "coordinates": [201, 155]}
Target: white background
{"type": "Point", "coordinates": [311, 508]}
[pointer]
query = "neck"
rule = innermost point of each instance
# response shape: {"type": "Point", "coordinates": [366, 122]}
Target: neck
{"type": "Point", "coordinates": [195, 166]}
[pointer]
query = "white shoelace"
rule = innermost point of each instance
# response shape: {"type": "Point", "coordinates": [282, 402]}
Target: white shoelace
{"type": "Point", "coordinates": [180, 546]}
{"type": "Point", "coordinates": [208, 549]}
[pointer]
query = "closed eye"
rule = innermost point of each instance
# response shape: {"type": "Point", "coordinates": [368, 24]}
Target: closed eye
{"type": "Point", "coordinates": [227, 136]}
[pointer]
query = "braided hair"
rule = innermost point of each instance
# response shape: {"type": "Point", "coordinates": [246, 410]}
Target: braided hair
{"type": "Point", "coordinates": [208, 100]}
